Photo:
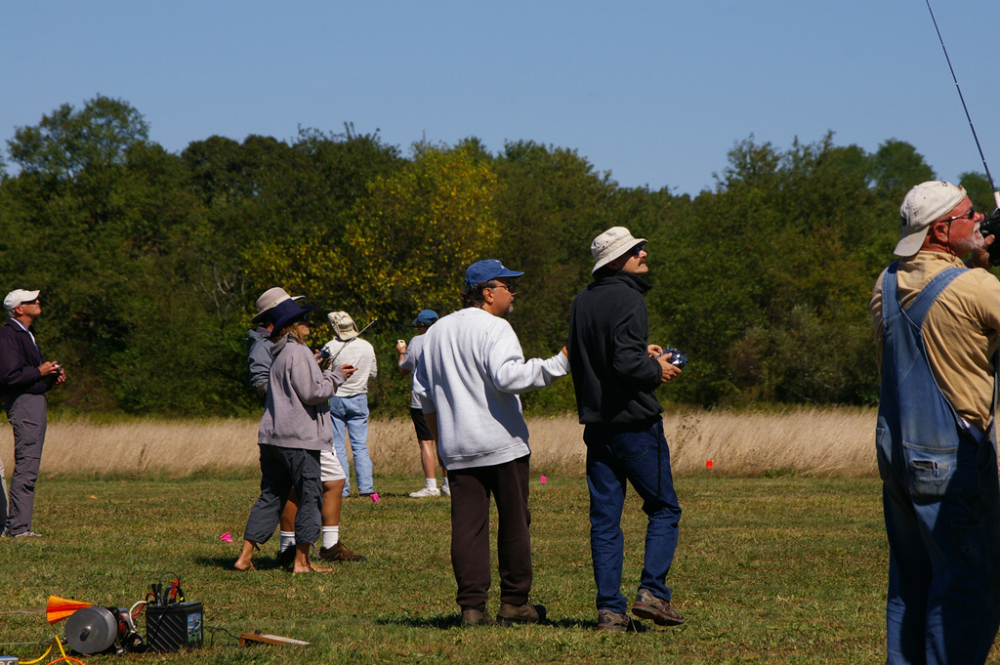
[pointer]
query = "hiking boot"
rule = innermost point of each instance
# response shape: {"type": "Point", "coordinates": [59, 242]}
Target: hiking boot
{"type": "Point", "coordinates": [473, 617]}
{"type": "Point", "coordinates": [339, 553]}
{"type": "Point", "coordinates": [613, 622]}
{"type": "Point", "coordinates": [425, 492]}
{"type": "Point", "coordinates": [527, 613]}
{"type": "Point", "coordinates": [648, 606]}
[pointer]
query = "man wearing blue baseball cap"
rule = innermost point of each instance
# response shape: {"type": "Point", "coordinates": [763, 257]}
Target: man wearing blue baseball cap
{"type": "Point", "coordinates": [470, 373]}
{"type": "Point", "coordinates": [409, 356]}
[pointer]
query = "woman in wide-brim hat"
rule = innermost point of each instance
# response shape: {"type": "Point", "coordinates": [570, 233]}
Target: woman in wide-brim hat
{"type": "Point", "coordinates": [293, 432]}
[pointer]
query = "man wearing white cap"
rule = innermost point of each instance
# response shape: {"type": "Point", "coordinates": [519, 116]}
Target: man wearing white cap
{"type": "Point", "coordinates": [615, 375]}
{"type": "Point", "coordinates": [25, 377]}
{"type": "Point", "coordinates": [936, 323]}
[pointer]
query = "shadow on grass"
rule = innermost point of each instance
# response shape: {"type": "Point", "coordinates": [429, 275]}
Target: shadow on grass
{"type": "Point", "coordinates": [226, 562]}
{"type": "Point", "coordinates": [448, 621]}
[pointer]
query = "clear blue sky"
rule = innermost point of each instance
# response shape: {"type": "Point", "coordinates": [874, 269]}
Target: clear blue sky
{"type": "Point", "coordinates": [655, 92]}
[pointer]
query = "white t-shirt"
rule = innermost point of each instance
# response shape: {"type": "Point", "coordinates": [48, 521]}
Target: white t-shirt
{"type": "Point", "coordinates": [355, 352]}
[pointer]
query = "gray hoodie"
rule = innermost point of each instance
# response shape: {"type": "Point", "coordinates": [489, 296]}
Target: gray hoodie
{"type": "Point", "coordinates": [297, 411]}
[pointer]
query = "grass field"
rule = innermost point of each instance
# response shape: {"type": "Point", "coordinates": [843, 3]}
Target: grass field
{"type": "Point", "coordinates": [782, 569]}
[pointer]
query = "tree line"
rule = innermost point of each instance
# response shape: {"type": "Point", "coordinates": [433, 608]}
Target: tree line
{"type": "Point", "coordinates": [150, 261]}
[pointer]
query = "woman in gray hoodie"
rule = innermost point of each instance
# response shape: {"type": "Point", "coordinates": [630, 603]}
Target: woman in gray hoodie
{"type": "Point", "coordinates": [294, 430]}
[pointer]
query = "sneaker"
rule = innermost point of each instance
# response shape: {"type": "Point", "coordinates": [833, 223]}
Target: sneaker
{"type": "Point", "coordinates": [26, 534]}
{"type": "Point", "coordinates": [473, 617]}
{"type": "Point", "coordinates": [286, 558]}
{"type": "Point", "coordinates": [527, 613]}
{"type": "Point", "coordinates": [613, 622]}
{"type": "Point", "coordinates": [445, 490]}
{"type": "Point", "coordinates": [339, 553]}
{"type": "Point", "coordinates": [425, 492]}
{"type": "Point", "coordinates": [648, 606]}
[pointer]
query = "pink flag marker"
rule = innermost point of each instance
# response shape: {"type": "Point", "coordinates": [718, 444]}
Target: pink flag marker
{"type": "Point", "coordinates": [226, 538]}
{"type": "Point", "coordinates": [374, 496]}
{"type": "Point", "coordinates": [708, 464]}
{"type": "Point", "coordinates": [543, 479]}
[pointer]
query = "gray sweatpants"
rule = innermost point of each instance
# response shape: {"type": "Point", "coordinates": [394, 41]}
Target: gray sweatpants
{"type": "Point", "coordinates": [27, 415]}
{"type": "Point", "coordinates": [282, 469]}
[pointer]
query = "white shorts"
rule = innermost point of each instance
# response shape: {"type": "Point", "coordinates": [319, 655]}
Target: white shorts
{"type": "Point", "coordinates": [330, 468]}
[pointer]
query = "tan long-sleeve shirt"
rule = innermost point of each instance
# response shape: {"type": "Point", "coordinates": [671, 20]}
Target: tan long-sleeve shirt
{"type": "Point", "coordinates": [960, 330]}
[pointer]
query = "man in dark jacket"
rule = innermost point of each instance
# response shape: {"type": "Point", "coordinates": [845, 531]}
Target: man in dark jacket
{"type": "Point", "coordinates": [615, 373]}
{"type": "Point", "coordinates": [25, 377]}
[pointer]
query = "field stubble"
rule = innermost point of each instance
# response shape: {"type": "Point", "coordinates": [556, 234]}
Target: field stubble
{"type": "Point", "coordinates": [827, 442]}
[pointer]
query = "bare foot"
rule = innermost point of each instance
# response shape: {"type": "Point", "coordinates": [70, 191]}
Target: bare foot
{"type": "Point", "coordinates": [243, 566]}
{"type": "Point", "coordinates": [310, 567]}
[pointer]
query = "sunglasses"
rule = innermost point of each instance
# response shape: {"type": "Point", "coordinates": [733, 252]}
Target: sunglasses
{"type": "Point", "coordinates": [30, 302]}
{"type": "Point", "coordinates": [509, 287]}
{"type": "Point", "coordinates": [637, 249]}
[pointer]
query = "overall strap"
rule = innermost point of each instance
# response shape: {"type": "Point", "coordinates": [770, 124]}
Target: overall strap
{"type": "Point", "coordinates": [922, 304]}
{"type": "Point", "coordinates": [890, 301]}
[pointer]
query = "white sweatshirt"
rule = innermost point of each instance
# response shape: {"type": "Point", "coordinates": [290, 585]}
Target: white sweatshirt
{"type": "Point", "coordinates": [355, 352]}
{"type": "Point", "coordinates": [470, 372]}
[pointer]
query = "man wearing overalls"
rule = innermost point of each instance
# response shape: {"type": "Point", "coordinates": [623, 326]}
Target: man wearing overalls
{"type": "Point", "coordinates": [936, 324]}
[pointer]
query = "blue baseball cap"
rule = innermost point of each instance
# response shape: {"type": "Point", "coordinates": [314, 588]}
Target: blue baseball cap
{"type": "Point", "coordinates": [426, 316]}
{"type": "Point", "coordinates": [485, 270]}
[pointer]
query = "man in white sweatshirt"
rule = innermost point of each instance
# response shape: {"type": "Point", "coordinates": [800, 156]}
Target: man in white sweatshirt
{"type": "Point", "coordinates": [470, 372]}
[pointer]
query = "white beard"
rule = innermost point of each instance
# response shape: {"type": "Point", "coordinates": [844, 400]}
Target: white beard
{"type": "Point", "coordinates": [969, 243]}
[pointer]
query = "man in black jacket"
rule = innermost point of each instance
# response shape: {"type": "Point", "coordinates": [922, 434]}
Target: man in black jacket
{"type": "Point", "coordinates": [25, 377]}
{"type": "Point", "coordinates": [615, 374]}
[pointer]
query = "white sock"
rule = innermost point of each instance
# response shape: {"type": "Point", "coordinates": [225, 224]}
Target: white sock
{"type": "Point", "coordinates": [445, 483]}
{"type": "Point", "coordinates": [286, 540]}
{"type": "Point", "coordinates": [432, 483]}
{"type": "Point", "coordinates": [331, 535]}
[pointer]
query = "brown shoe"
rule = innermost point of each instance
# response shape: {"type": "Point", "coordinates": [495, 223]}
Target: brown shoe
{"type": "Point", "coordinates": [648, 606]}
{"type": "Point", "coordinates": [339, 553]}
{"type": "Point", "coordinates": [527, 613]}
{"type": "Point", "coordinates": [613, 622]}
{"type": "Point", "coordinates": [473, 617]}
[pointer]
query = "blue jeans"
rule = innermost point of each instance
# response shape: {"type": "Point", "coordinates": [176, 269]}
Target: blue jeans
{"type": "Point", "coordinates": [350, 414]}
{"type": "Point", "coordinates": [639, 455]}
{"type": "Point", "coordinates": [941, 500]}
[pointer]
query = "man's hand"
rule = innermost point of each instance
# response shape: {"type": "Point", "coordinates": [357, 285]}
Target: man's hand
{"type": "Point", "coordinates": [50, 367]}
{"type": "Point", "coordinates": [401, 347]}
{"type": "Point", "coordinates": [981, 255]}
{"type": "Point", "coordinates": [654, 350]}
{"type": "Point", "coordinates": [348, 369]}
{"type": "Point", "coordinates": [667, 370]}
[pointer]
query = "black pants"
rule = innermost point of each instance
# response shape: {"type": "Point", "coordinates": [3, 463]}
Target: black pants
{"type": "Point", "coordinates": [281, 470]}
{"type": "Point", "coordinates": [470, 532]}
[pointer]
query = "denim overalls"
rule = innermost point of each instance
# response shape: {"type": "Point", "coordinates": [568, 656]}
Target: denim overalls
{"type": "Point", "coordinates": [941, 500]}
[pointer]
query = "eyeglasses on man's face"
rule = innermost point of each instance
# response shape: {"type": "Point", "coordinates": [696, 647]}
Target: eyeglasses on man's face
{"type": "Point", "coordinates": [638, 249]}
{"type": "Point", "coordinates": [30, 302]}
{"type": "Point", "coordinates": [965, 215]}
{"type": "Point", "coordinates": [509, 287]}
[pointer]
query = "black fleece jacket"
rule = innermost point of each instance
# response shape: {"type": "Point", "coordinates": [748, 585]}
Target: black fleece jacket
{"type": "Point", "coordinates": [19, 361]}
{"type": "Point", "coordinates": [614, 377]}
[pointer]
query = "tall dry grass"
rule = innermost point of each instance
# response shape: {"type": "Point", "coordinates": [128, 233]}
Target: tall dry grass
{"type": "Point", "coordinates": [828, 442]}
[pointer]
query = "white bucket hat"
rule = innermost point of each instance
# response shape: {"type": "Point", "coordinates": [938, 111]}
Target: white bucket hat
{"type": "Point", "coordinates": [922, 205]}
{"type": "Point", "coordinates": [268, 300]}
{"type": "Point", "coordinates": [611, 244]}
{"type": "Point", "coordinates": [17, 297]}
{"type": "Point", "coordinates": [343, 325]}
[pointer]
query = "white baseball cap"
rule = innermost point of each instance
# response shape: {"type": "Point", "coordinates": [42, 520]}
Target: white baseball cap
{"type": "Point", "coordinates": [922, 206]}
{"type": "Point", "coordinates": [17, 297]}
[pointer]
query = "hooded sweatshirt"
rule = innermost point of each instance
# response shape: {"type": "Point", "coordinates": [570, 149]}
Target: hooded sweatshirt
{"type": "Point", "coordinates": [470, 373]}
{"type": "Point", "coordinates": [297, 411]}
